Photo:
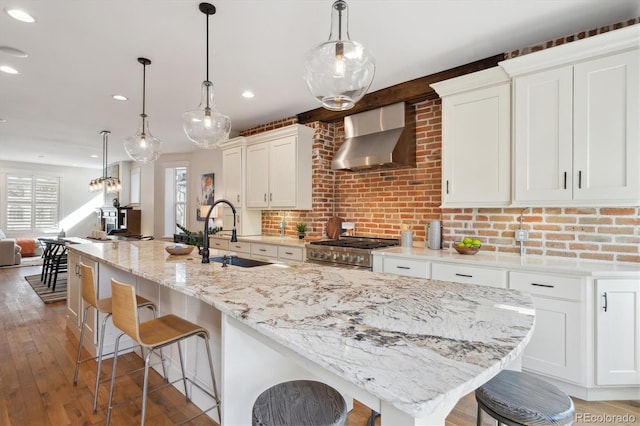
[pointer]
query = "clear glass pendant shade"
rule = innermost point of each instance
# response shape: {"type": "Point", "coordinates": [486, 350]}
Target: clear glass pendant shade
{"type": "Point", "coordinates": [339, 72]}
{"type": "Point", "coordinates": [205, 126]}
{"type": "Point", "coordinates": [143, 147]}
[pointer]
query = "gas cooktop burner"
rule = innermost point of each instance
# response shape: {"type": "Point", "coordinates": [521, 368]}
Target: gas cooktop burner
{"type": "Point", "coordinates": [354, 251]}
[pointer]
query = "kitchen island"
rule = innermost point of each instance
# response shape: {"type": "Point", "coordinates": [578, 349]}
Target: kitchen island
{"type": "Point", "coordinates": [407, 347]}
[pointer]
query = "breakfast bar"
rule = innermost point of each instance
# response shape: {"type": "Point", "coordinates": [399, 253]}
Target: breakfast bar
{"type": "Point", "coordinates": [409, 348]}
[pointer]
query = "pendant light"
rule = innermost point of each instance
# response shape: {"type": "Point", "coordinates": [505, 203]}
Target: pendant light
{"type": "Point", "coordinates": [98, 184]}
{"type": "Point", "coordinates": [205, 126]}
{"type": "Point", "coordinates": [143, 147]}
{"type": "Point", "coordinates": [339, 71]}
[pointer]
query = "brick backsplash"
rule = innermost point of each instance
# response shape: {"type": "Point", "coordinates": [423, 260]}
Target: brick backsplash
{"type": "Point", "coordinates": [380, 202]}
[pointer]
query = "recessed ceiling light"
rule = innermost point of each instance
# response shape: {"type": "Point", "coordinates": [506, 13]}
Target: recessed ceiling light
{"type": "Point", "coordinates": [94, 156]}
{"type": "Point", "coordinates": [119, 97]}
{"type": "Point", "coordinates": [248, 94]}
{"type": "Point", "coordinates": [13, 51]}
{"type": "Point", "coordinates": [20, 15]}
{"type": "Point", "coordinates": [8, 69]}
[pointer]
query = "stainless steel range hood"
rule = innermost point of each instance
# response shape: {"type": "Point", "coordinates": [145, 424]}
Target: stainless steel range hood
{"type": "Point", "coordinates": [382, 138]}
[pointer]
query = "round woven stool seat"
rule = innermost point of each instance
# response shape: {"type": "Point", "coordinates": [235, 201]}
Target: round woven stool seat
{"type": "Point", "coordinates": [516, 398]}
{"type": "Point", "coordinates": [300, 403]}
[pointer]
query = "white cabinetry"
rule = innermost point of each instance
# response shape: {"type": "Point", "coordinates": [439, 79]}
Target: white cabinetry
{"type": "Point", "coordinates": [617, 332]}
{"type": "Point", "coordinates": [232, 175]}
{"type": "Point", "coordinates": [279, 169]}
{"type": "Point", "coordinates": [576, 127]}
{"type": "Point", "coordinates": [476, 139]}
{"type": "Point", "coordinates": [401, 266]}
{"type": "Point", "coordinates": [558, 345]}
{"type": "Point", "coordinates": [234, 167]}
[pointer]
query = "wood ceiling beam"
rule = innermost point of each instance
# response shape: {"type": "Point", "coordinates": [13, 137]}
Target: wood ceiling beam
{"type": "Point", "coordinates": [412, 92]}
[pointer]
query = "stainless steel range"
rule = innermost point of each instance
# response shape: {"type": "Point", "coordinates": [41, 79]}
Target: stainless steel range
{"type": "Point", "coordinates": [352, 251]}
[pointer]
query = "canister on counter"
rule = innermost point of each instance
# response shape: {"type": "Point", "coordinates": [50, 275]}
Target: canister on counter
{"type": "Point", "coordinates": [434, 235]}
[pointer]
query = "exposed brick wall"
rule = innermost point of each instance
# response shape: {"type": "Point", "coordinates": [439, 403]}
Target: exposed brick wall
{"type": "Point", "coordinates": [570, 38]}
{"type": "Point", "coordinates": [381, 201]}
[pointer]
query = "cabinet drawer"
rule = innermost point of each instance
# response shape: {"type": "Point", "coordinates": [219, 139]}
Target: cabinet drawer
{"type": "Point", "coordinates": [240, 247]}
{"type": "Point", "coordinates": [264, 250]}
{"type": "Point", "coordinates": [290, 253]}
{"type": "Point", "coordinates": [469, 275]}
{"type": "Point", "coordinates": [555, 286]}
{"type": "Point", "coordinates": [219, 244]}
{"type": "Point", "coordinates": [406, 267]}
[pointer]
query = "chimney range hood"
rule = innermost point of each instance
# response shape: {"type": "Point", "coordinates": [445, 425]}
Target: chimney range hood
{"type": "Point", "coordinates": [382, 138]}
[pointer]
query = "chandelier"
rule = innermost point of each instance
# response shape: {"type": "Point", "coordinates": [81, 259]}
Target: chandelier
{"type": "Point", "coordinates": [110, 183]}
{"type": "Point", "coordinates": [205, 126]}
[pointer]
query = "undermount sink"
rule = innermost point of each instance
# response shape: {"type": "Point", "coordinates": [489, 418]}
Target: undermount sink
{"type": "Point", "coordinates": [239, 261]}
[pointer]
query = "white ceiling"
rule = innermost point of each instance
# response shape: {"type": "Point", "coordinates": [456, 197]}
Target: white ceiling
{"type": "Point", "coordinates": [82, 52]}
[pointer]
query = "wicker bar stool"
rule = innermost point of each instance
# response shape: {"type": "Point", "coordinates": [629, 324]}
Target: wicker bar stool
{"type": "Point", "coordinates": [152, 335]}
{"type": "Point", "coordinates": [516, 398]}
{"type": "Point", "coordinates": [301, 403]}
{"type": "Point", "coordinates": [88, 291]}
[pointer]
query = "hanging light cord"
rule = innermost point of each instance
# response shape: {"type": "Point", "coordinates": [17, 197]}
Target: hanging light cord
{"type": "Point", "coordinates": [144, 94]}
{"type": "Point", "coordinates": [207, 46]}
{"type": "Point", "coordinates": [104, 155]}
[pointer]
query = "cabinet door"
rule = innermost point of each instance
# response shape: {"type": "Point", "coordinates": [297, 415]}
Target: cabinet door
{"type": "Point", "coordinates": [74, 305]}
{"type": "Point", "coordinates": [258, 175]}
{"type": "Point", "coordinates": [543, 120]}
{"type": "Point", "coordinates": [476, 165]}
{"type": "Point", "coordinates": [618, 332]}
{"type": "Point", "coordinates": [282, 172]}
{"type": "Point", "coordinates": [607, 128]}
{"type": "Point", "coordinates": [232, 175]}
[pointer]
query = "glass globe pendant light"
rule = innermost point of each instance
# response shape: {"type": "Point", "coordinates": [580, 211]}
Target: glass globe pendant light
{"type": "Point", "coordinates": [205, 126]}
{"type": "Point", "coordinates": [339, 71]}
{"type": "Point", "coordinates": [143, 147]}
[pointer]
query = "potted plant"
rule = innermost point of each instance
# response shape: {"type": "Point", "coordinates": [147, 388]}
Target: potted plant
{"type": "Point", "coordinates": [302, 229]}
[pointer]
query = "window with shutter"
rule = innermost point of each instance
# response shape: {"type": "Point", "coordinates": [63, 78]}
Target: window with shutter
{"type": "Point", "coordinates": [32, 203]}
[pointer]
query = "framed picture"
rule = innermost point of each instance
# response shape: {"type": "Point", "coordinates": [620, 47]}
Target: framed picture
{"type": "Point", "coordinates": [206, 193]}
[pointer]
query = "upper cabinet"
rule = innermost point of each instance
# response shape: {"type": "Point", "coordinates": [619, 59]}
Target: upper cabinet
{"type": "Point", "coordinates": [279, 169]}
{"type": "Point", "coordinates": [576, 128]}
{"type": "Point", "coordinates": [476, 139]}
{"type": "Point", "coordinates": [232, 178]}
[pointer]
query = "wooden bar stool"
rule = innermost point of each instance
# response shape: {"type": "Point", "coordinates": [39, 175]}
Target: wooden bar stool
{"type": "Point", "coordinates": [516, 398]}
{"type": "Point", "coordinates": [154, 334]}
{"type": "Point", "coordinates": [301, 403]}
{"type": "Point", "coordinates": [88, 291]}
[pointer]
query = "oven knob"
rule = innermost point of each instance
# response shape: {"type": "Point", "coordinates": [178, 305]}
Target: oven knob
{"type": "Point", "coordinates": [360, 259]}
{"type": "Point", "coordinates": [326, 255]}
{"type": "Point", "coordinates": [350, 259]}
{"type": "Point", "coordinates": [343, 257]}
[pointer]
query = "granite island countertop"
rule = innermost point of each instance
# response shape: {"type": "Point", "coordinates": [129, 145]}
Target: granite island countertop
{"type": "Point", "coordinates": [414, 343]}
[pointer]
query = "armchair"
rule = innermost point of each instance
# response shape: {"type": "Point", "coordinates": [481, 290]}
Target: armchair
{"type": "Point", "coordinates": [9, 252]}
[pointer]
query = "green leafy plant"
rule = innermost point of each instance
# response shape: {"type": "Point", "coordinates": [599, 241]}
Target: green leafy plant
{"type": "Point", "coordinates": [301, 227]}
{"type": "Point", "coordinates": [196, 238]}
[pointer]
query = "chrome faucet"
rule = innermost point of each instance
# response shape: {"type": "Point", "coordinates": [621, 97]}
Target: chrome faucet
{"type": "Point", "coordinates": [205, 242]}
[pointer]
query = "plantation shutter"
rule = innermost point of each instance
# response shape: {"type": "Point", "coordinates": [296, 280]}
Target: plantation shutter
{"type": "Point", "coordinates": [32, 203]}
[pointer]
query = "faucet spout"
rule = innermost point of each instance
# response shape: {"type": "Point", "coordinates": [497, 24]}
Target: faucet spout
{"type": "Point", "coordinates": [205, 242]}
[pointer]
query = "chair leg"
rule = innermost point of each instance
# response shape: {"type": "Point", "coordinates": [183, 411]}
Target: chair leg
{"type": "Point", "coordinates": [205, 338]}
{"type": "Point", "coordinates": [165, 373]}
{"type": "Point", "coordinates": [147, 359]}
{"type": "Point", "coordinates": [113, 379]}
{"type": "Point", "coordinates": [84, 322]}
{"type": "Point", "coordinates": [184, 377]}
{"type": "Point", "coordinates": [100, 349]}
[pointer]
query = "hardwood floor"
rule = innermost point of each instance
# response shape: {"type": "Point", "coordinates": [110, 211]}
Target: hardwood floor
{"type": "Point", "coordinates": [37, 356]}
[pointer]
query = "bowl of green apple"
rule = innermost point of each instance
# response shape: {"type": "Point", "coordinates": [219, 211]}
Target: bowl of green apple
{"type": "Point", "coordinates": [467, 246]}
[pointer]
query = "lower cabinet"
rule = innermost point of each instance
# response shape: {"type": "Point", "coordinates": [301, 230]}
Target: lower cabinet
{"type": "Point", "coordinates": [469, 274]}
{"type": "Point", "coordinates": [617, 332]}
{"type": "Point", "coordinates": [76, 305]}
{"type": "Point", "coordinates": [559, 343]}
{"type": "Point", "coordinates": [402, 266]}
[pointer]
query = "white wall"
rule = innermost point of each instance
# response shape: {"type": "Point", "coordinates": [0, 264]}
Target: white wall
{"type": "Point", "coordinates": [77, 204]}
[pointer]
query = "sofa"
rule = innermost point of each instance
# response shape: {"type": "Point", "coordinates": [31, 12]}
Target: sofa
{"type": "Point", "coordinates": [9, 251]}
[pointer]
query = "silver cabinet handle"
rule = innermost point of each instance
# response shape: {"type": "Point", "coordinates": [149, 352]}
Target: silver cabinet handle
{"type": "Point", "coordinates": [580, 179]}
{"type": "Point", "coordinates": [403, 267]}
{"type": "Point", "coordinates": [262, 249]}
{"type": "Point", "coordinates": [270, 196]}
{"type": "Point", "coordinates": [265, 196]}
{"type": "Point", "coordinates": [288, 252]}
{"type": "Point", "coordinates": [464, 275]}
{"type": "Point", "coordinates": [238, 198]}
{"type": "Point", "coordinates": [604, 301]}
